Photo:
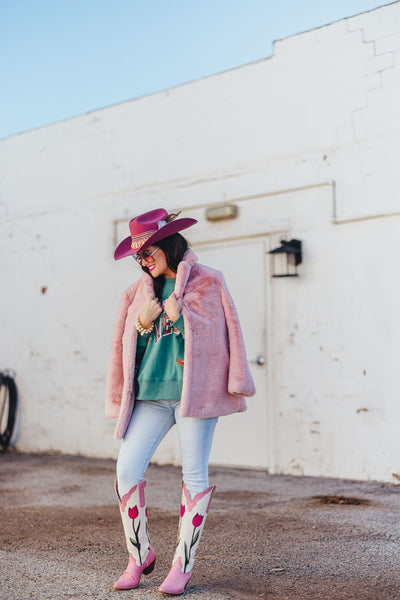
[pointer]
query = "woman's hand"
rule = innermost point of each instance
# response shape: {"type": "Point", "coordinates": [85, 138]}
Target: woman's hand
{"type": "Point", "coordinates": [173, 307]}
{"type": "Point", "coordinates": [151, 309]}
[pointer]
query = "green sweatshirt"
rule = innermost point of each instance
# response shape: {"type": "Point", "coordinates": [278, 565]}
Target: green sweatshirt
{"type": "Point", "coordinates": [160, 354]}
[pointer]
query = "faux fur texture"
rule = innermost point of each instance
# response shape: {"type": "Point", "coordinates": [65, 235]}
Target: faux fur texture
{"type": "Point", "coordinates": [216, 374]}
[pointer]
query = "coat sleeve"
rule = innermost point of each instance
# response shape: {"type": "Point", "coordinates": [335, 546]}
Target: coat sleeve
{"type": "Point", "coordinates": [115, 375]}
{"type": "Point", "coordinates": [240, 380]}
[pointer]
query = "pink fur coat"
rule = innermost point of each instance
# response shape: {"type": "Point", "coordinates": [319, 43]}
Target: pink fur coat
{"type": "Point", "coordinates": [216, 374]}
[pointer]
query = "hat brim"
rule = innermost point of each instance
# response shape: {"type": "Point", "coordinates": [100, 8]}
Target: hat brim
{"type": "Point", "coordinates": [125, 247]}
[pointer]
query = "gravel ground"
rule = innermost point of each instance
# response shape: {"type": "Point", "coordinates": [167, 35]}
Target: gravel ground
{"type": "Point", "coordinates": [274, 537]}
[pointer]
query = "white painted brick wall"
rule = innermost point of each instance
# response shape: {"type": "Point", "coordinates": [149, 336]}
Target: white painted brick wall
{"type": "Point", "coordinates": [324, 107]}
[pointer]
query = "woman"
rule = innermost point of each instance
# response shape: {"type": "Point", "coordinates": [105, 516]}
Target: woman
{"type": "Point", "coordinates": [177, 358]}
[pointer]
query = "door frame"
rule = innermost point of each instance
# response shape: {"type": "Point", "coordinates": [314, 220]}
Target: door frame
{"type": "Point", "coordinates": [269, 241]}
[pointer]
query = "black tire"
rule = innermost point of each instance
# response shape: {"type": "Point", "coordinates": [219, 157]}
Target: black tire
{"type": "Point", "coordinates": [8, 410]}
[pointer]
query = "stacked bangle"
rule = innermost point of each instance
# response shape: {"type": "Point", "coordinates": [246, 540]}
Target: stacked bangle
{"type": "Point", "coordinates": [142, 330]}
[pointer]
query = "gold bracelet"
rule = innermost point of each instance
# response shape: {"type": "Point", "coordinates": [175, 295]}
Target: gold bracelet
{"type": "Point", "coordinates": [142, 330]}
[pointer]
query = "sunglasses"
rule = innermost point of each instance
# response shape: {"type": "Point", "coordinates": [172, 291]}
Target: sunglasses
{"type": "Point", "coordinates": [144, 256]}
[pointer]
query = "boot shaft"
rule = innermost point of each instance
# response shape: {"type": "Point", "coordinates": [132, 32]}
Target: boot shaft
{"type": "Point", "coordinates": [193, 516]}
{"type": "Point", "coordinates": [133, 511]}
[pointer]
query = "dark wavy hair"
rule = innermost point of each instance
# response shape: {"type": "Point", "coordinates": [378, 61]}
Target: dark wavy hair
{"type": "Point", "coordinates": [174, 247]}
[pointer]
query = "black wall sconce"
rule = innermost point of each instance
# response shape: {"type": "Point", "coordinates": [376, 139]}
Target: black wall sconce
{"type": "Point", "coordinates": [286, 258]}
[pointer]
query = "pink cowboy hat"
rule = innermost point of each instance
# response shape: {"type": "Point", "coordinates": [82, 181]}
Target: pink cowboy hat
{"type": "Point", "coordinates": [149, 228]}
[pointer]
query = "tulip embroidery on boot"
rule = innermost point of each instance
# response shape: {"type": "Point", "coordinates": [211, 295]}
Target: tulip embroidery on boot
{"type": "Point", "coordinates": [196, 522]}
{"type": "Point", "coordinates": [133, 514]}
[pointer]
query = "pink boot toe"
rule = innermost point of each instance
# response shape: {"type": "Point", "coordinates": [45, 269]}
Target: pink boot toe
{"type": "Point", "coordinates": [176, 581]}
{"type": "Point", "coordinates": [130, 579]}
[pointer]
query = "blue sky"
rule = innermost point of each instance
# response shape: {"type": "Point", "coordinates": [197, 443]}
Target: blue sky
{"type": "Point", "coordinates": [59, 59]}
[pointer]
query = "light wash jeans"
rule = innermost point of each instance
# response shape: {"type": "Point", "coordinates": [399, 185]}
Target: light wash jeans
{"type": "Point", "coordinates": [150, 422]}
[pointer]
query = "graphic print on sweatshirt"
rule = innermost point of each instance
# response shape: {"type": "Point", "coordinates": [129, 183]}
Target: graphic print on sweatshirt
{"type": "Point", "coordinates": [163, 327]}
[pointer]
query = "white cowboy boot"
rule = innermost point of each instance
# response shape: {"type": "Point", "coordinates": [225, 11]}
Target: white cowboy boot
{"type": "Point", "coordinates": [142, 557]}
{"type": "Point", "coordinates": [191, 525]}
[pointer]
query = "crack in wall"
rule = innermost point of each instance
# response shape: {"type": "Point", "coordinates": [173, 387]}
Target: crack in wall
{"type": "Point", "coordinates": [375, 73]}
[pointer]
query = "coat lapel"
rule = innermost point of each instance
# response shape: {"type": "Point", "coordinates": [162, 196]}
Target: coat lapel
{"type": "Point", "coordinates": [183, 272]}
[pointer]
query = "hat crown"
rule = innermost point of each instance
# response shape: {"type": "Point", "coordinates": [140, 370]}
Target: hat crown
{"type": "Point", "coordinates": [148, 222]}
{"type": "Point", "coordinates": [150, 228]}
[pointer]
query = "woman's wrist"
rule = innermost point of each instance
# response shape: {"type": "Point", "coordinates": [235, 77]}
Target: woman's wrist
{"type": "Point", "coordinates": [173, 316]}
{"type": "Point", "coordinates": [144, 327]}
{"type": "Point", "coordinates": [144, 323]}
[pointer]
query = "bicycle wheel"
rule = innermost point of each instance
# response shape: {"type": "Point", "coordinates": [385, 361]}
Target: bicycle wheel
{"type": "Point", "coordinates": [8, 409]}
